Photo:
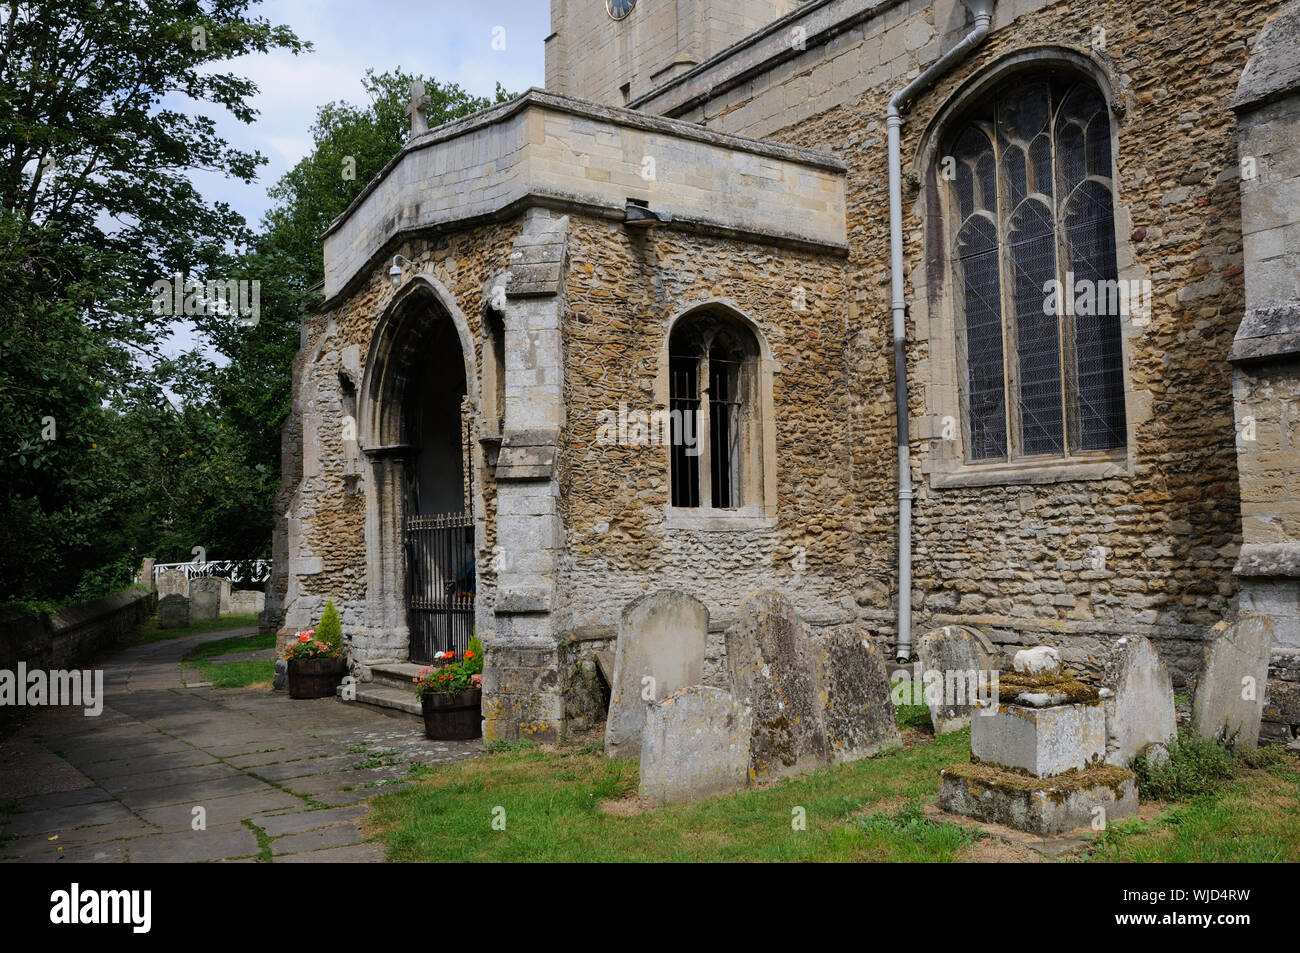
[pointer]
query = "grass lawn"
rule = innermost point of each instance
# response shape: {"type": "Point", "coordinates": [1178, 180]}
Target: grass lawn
{"type": "Point", "coordinates": [574, 804]}
{"type": "Point", "coordinates": [151, 633]}
{"type": "Point", "coordinates": [233, 674]}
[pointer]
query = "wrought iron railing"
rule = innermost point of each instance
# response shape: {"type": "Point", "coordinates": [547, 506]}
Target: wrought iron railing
{"type": "Point", "coordinates": [440, 584]}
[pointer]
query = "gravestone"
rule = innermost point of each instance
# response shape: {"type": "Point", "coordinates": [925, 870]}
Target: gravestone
{"type": "Point", "coordinates": [1138, 698]}
{"type": "Point", "coordinates": [1229, 698]}
{"type": "Point", "coordinates": [852, 690]}
{"type": "Point", "coordinates": [660, 650]}
{"type": "Point", "coordinates": [205, 598]}
{"type": "Point", "coordinates": [145, 576]}
{"type": "Point", "coordinates": [770, 661]}
{"type": "Point", "coordinates": [695, 744]}
{"type": "Point", "coordinates": [172, 582]}
{"type": "Point", "coordinates": [224, 604]}
{"type": "Point", "coordinates": [960, 657]}
{"type": "Point", "coordinates": [173, 612]}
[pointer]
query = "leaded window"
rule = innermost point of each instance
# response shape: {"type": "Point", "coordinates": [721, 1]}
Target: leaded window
{"type": "Point", "coordinates": [712, 363]}
{"type": "Point", "coordinates": [1030, 193]}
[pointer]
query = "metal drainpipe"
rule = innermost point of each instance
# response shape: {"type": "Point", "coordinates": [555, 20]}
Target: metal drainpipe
{"type": "Point", "coordinates": [983, 12]}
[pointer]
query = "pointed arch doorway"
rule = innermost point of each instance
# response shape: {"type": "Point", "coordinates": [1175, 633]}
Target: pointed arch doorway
{"type": "Point", "coordinates": [420, 524]}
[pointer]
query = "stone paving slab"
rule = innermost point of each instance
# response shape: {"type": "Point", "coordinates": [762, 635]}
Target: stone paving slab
{"type": "Point", "coordinates": [356, 854]}
{"type": "Point", "coordinates": [123, 786]}
{"type": "Point", "coordinates": [340, 835]}
{"type": "Point", "coordinates": [215, 843]}
{"type": "Point", "coordinates": [277, 825]}
{"type": "Point", "coordinates": [220, 810]}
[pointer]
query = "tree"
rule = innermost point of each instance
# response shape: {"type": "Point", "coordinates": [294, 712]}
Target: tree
{"type": "Point", "coordinates": [95, 205]}
{"type": "Point", "coordinates": [352, 144]}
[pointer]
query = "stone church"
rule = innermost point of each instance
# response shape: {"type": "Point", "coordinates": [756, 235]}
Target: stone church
{"type": "Point", "coordinates": [922, 312]}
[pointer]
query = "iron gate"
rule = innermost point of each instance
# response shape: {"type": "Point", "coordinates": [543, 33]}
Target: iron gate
{"type": "Point", "coordinates": [439, 584]}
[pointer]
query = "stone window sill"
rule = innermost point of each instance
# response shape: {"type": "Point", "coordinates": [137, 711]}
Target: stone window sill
{"type": "Point", "coordinates": [1097, 467]}
{"type": "Point", "coordinates": [742, 520]}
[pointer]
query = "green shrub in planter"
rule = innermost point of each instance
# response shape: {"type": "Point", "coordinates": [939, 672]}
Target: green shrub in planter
{"type": "Point", "coordinates": [330, 629]}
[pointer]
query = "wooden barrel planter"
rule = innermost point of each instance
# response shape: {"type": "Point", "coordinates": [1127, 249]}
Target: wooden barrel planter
{"type": "Point", "coordinates": [315, 677]}
{"type": "Point", "coordinates": [457, 717]}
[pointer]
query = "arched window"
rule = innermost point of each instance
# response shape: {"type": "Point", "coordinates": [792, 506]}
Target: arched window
{"type": "Point", "coordinates": [713, 396]}
{"type": "Point", "coordinates": [1035, 279]}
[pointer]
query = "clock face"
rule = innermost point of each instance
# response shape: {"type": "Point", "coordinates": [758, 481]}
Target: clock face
{"type": "Point", "coordinates": [619, 9]}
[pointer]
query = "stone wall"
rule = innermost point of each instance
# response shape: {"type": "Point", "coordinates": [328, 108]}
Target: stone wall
{"type": "Point", "coordinates": [325, 524]}
{"type": "Point", "coordinates": [1013, 559]}
{"type": "Point", "coordinates": [1266, 357]}
{"type": "Point", "coordinates": [590, 55]}
{"type": "Point", "coordinates": [73, 636]}
{"type": "Point", "coordinates": [624, 290]}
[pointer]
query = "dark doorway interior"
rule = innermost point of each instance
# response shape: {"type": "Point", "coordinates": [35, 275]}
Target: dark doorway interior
{"type": "Point", "coordinates": [439, 525]}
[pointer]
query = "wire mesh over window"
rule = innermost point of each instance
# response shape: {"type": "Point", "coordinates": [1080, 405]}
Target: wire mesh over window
{"type": "Point", "coordinates": [1030, 193]}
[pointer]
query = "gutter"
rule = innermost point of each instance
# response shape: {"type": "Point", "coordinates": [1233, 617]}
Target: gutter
{"type": "Point", "coordinates": [983, 12]}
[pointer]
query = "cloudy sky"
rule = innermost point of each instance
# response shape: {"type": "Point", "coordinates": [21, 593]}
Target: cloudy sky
{"type": "Point", "coordinates": [446, 39]}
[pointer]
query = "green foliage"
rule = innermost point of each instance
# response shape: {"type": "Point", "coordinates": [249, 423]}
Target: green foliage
{"type": "Point", "coordinates": [96, 204]}
{"type": "Point", "coordinates": [922, 838]}
{"type": "Point", "coordinates": [1197, 766]}
{"type": "Point", "coordinates": [330, 629]}
{"type": "Point", "coordinates": [110, 451]}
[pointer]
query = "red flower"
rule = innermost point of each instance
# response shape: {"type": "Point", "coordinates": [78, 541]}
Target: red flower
{"type": "Point", "coordinates": [469, 655]}
{"type": "Point", "coordinates": [304, 638]}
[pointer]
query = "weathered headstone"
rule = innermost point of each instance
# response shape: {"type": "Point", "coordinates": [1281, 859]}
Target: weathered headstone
{"type": "Point", "coordinates": [660, 649]}
{"type": "Point", "coordinates": [173, 612]}
{"type": "Point", "coordinates": [224, 605]}
{"type": "Point", "coordinates": [205, 598]}
{"type": "Point", "coordinates": [770, 660]}
{"type": "Point", "coordinates": [1138, 698]}
{"type": "Point", "coordinates": [695, 743]}
{"type": "Point", "coordinates": [172, 582]}
{"type": "Point", "coordinates": [1229, 700]}
{"type": "Point", "coordinates": [853, 694]}
{"type": "Point", "coordinates": [954, 664]}
{"type": "Point", "coordinates": [145, 575]}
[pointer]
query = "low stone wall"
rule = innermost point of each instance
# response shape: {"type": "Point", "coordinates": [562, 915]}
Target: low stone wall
{"type": "Point", "coordinates": [74, 635]}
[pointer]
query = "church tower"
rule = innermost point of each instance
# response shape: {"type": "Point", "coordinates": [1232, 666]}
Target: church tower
{"type": "Point", "coordinates": [613, 51]}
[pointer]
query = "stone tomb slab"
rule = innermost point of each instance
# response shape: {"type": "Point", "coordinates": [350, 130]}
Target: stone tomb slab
{"type": "Point", "coordinates": [1102, 793]}
{"type": "Point", "coordinates": [1229, 700]}
{"type": "Point", "coordinates": [695, 744]}
{"type": "Point", "coordinates": [1138, 699]}
{"type": "Point", "coordinates": [959, 656]}
{"type": "Point", "coordinates": [660, 650]}
{"type": "Point", "coordinates": [771, 662]}
{"type": "Point", "coordinates": [1042, 741]}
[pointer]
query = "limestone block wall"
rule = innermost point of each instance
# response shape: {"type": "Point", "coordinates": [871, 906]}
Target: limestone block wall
{"type": "Point", "coordinates": [1266, 357]}
{"type": "Point", "coordinates": [1013, 558]}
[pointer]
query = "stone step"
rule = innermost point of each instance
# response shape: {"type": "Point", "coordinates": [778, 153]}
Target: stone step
{"type": "Point", "coordinates": [383, 696]}
{"type": "Point", "coordinates": [398, 675]}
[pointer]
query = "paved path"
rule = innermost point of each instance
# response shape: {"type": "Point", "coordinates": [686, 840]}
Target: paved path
{"type": "Point", "coordinates": [124, 786]}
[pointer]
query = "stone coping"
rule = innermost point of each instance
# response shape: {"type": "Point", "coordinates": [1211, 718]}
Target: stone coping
{"type": "Point", "coordinates": [536, 96]}
{"type": "Point", "coordinates": [543, 150]}
{"type": "Point", "coordinates": [1267, 334]}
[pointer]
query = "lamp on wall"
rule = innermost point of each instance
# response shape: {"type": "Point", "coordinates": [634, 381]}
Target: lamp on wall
{"type": "Point", "coordinates": [395, 273]}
